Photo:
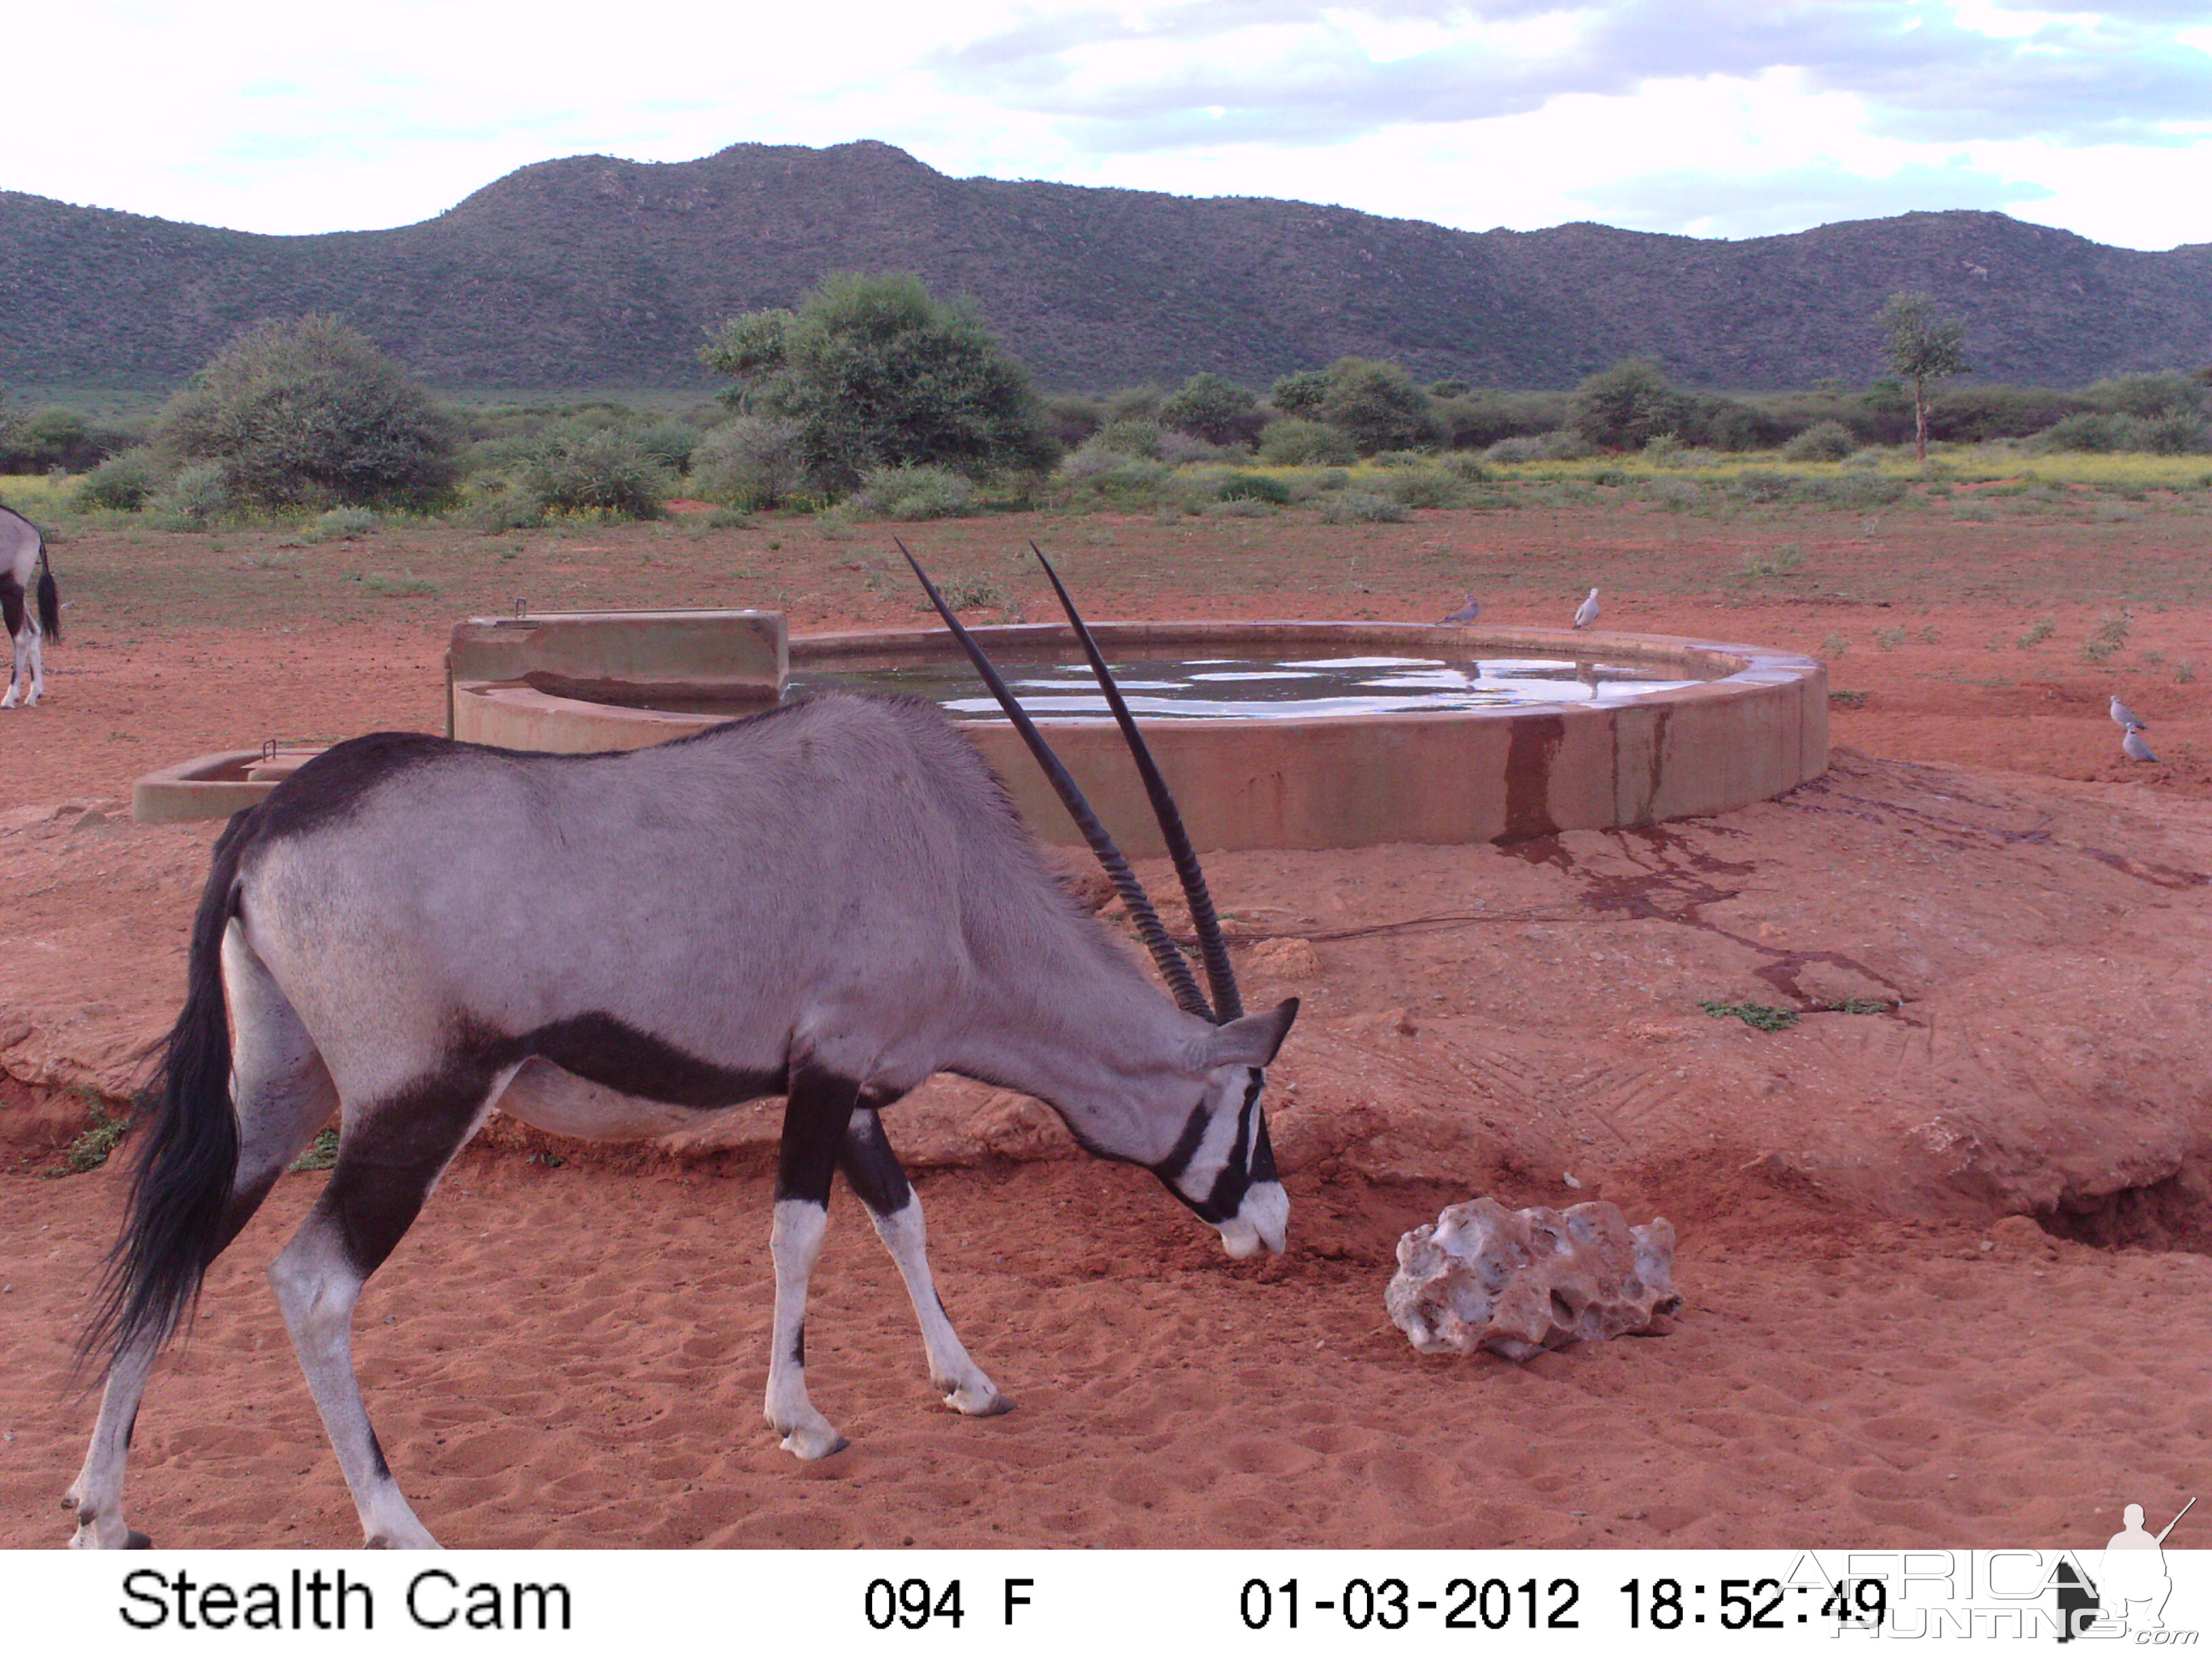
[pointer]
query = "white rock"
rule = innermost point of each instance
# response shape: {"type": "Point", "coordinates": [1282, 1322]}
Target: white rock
{"type": "Point", "coordinates": [1519, 1281]}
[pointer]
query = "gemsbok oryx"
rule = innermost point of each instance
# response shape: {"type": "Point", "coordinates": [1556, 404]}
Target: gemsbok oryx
{"type": "Point", "coordinates": [830, 900]}
{"type": "Point", "coordinates": [23, 555]}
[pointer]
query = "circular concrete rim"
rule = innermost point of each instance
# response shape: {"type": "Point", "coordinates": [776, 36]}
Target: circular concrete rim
{"type": "Point", "coordinates": [1757, 728]}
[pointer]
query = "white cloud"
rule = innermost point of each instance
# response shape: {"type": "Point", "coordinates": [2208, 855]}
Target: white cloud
{"type": "Point", "coordinates": [1688, 115]}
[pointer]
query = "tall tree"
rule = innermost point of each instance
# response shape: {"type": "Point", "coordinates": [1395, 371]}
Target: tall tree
{"type": "Point", "coordinates": [1922, 348]}
{"type": "Point", "coordinates": [875, 372]}
{"type": "Point", "coordinates": [304, 411]}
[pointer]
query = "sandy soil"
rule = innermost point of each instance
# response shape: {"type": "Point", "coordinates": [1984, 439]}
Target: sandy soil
{"type": "Point", "coordinates": [1933, 1255]}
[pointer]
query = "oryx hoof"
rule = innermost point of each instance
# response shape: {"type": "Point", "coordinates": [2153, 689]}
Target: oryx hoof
{"type": "Point", "coordinates": [92, 1534]}
{"type": "Point", "coordinates": [389, 1539]}
{"type": "Point", "coordinates": [810, 1442]}
{"type": "Point", "coordinates": [978, 1400]}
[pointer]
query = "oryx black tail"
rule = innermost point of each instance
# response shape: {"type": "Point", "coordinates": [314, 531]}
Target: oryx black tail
{"type": "Point", "coordinates": [49, 597]}
{"type": "Point", "coordinates": [181, 1191]}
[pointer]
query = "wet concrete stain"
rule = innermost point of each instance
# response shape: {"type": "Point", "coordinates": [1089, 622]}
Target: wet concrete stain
{"type": "Point", "coordinates": [1534, 745]}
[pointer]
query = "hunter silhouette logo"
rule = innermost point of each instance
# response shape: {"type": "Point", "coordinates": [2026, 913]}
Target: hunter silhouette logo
{"type": "Point", "coordinates": [2130, 1586]}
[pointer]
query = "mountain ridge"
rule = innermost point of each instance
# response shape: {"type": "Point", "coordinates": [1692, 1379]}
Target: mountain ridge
{"type": "Point", "coordinates": [590, 270]}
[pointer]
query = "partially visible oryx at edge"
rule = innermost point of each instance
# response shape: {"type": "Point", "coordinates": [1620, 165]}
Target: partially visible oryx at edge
{"type": "Point", "coordinates": [830, 900]}
{"type": "Point", "coordinates": [23, 555]}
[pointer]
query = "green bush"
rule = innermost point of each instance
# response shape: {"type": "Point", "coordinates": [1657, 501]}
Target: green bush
{"type": "Point", "coordinates": [48, 439]}
{"type": "Point", "coordinates": [1293, 441]}
{"type": "Point", "coordinates": [1072, 419]}
{"type": "Point", "coordinates": [2148, 397]}
{"type": "Point", "coordinates": [671, 444]}
{"type": "Point", "coordinates": [1255, 486]}
{"type": "Point", "coordinates": [492, 504]}
{"type": "Point", "coordinates": [1358, 506]}
{"type": "Point", "coordinates": [2178, 432]}
{"type": "Point", "coordinates": [1476, 420]}
{"type": "Point", "coordinates": [1423, 486]}
{"type": "Point", "coordinates": [877, 372]}
{"type": "Point", "coordinates": [1138, 437]}
{"type": "Point", "coordinates": [604, 471]}
{"type": "Point", "coordinates": [754, 461]}
{"type": "Point", "coordinates": [2093, 433]}
{"type": "Point", "coordinates": [1377, 406]}
{"type": "Point", "coordinates": [1300, 393]}
{"type": "Point", "coordinates": [303, 412]}
{"type": "Point", "coordinates": [1627, 405]}
{"type": "Point", "coordinates": [916, 492]}
{"type": "Point", "coordinates": [196, 497]}
{"type": "Point", "coordinates": [1830, 440]}
{"type": "Point", "coordinates": [122, 483]}
{"type": "Point", "coordinates": [1209, 407]}
{"type": "Point", "coordinates": [340, 524]}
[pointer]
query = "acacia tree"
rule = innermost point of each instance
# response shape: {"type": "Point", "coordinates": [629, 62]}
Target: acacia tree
{"type": "Point", "coordinates": [1922, 348]}
{"type": "Point", "coordinates": [1626, 406]}
{"type": "Point", "coordinates": [1209, 407]}
{"type": "Point", "coordinates": [304, 411]}
{"type": "Point", "coordinates": [875, 373]}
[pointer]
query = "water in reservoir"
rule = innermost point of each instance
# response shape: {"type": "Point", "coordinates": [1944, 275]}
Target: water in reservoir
{"type": "Point", "coordinates": [1230, 687]}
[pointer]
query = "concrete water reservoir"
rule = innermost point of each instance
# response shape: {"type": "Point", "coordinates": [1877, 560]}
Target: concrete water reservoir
{"type": "Point", "coordinates": [1712, 726]}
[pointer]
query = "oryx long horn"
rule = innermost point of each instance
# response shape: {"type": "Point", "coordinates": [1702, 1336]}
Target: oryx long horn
{"type": "Point", "coordinates": [1212, 950]}
{"type": "Point", "coordinates": [1172, 966]}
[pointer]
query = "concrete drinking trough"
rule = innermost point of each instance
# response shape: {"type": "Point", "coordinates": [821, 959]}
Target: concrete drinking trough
{"type": "Point", "coordinates": [1752, 724]}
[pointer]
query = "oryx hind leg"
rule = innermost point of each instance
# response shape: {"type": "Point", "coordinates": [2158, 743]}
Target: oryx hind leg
{"type": "Point", "coordinates": [15, 617]}
{"type": "Point", "coordinates": [281, 1094]}
{"type": "Point", "coordinates": [872, 1168]}
{"type": "Point", "coordinates": [815, 1114]}
{"type": "Point", "coordinates": [391, 1153]}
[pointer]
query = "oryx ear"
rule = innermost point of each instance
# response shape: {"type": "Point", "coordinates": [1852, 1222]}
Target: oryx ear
{"type": "Point", "coordinates": [1253, 1040]}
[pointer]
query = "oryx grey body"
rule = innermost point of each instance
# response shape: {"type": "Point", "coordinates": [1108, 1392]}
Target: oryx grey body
{"type": "Point", "coordinates": [26, 574]}
{"type": "Point", "coordinates": [831, 902]}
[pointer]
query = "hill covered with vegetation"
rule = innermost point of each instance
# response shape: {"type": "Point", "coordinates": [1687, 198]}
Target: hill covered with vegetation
{"type": "Point", "coordinates": [590, 271]}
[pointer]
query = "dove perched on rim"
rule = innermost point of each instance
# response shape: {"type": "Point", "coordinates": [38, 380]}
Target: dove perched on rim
{"type": "Point", "coordinates": [1586, 612]}
{"type": "Point", "coordinates": [1469, 612]}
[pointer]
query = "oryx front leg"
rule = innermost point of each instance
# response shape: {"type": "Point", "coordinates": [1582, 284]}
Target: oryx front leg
{"type": "Point", "coordinates": [814, 1115]}
{"type": "Point", "coordinates": [874, 1169]}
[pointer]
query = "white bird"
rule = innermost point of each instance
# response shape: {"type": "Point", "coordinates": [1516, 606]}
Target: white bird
{"type": "Point", "coordinates": [1586, 612]}
{"type": "Point", "coordinates": [2133, 747]}
{"type": "Point", "coordinates": [2124, 715]}
{"type": "Point", "coordinates": [1471, 611]}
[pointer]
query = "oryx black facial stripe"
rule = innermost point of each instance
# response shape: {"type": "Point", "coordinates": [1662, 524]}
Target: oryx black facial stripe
{"type": "Point", "coordinates": [1170, 1168]}
{"type": "Point", "coordinates": [1236, 1177]}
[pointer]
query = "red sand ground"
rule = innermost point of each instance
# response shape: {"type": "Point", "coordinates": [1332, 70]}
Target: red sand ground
{"type": "Point", "coordinates": [1871, 1352]}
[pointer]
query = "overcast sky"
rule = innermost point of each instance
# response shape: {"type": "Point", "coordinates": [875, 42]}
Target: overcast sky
{"type": "Point", "coordinates": [1695, 116]}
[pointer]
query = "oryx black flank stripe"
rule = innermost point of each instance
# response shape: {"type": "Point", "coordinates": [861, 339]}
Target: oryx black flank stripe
{"type": "Point", "coordinates": [603, 1049]}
